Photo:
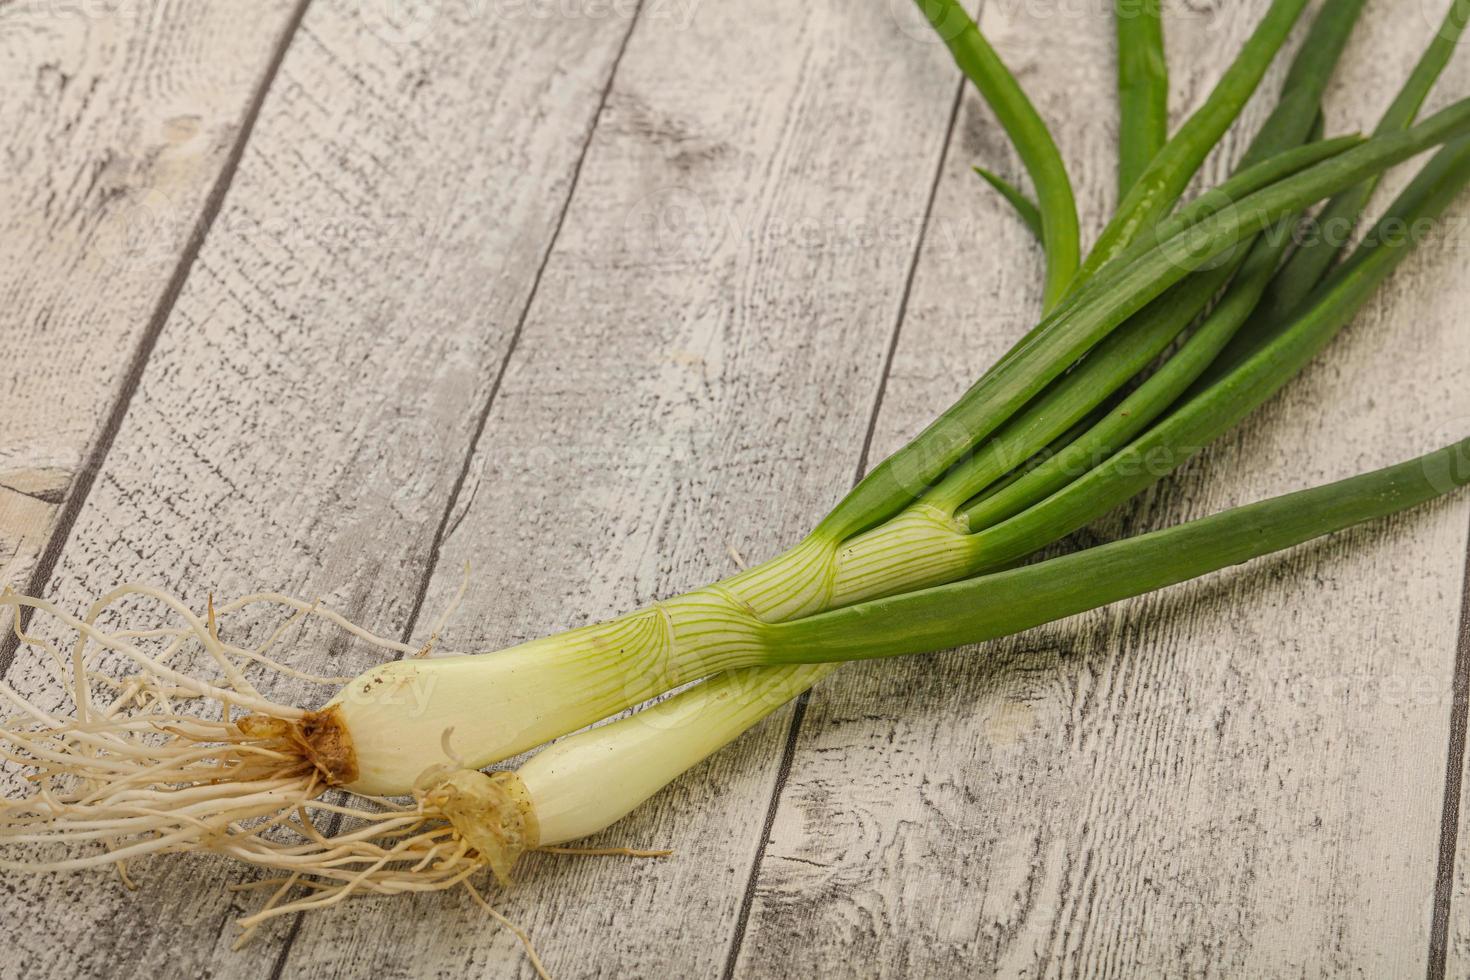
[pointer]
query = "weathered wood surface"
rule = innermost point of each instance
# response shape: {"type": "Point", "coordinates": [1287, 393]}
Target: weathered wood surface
{"type": "Point", "coordinates": [117, 127]}
{"type": "Point", "coordinates": [309, 408]}
{"type": "Point", "coordinates": [1242, 777]}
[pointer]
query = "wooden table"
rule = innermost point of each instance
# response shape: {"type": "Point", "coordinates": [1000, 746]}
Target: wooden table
{"type": "Point", "coordinates": [592, 293]}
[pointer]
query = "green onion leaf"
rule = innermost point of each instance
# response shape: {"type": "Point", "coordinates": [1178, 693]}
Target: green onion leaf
{"type": "Point", "coordinates": [1143, 88]}
{"type": "Point", "coordinates": [1033, 141]}
{"type": "Point", "coordinates": [991, 606]}
{"type": "Point", "coordinates": [1310, 262]}
{"type": "Point", "coordinates": [1077, 327]}
{"type": "Point", "coordinates": [1146, 402]}
{"type": "Point", "coordinates": [1208, 414]}
{"type": "Point", "coordinates": [1028, 212]}
{"type": "Point", "coordinates": [1171, 169]}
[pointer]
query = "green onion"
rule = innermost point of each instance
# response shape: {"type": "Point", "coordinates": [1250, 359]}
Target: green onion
{"type": "Point", "coordinates": [586, 782]}
{"type": "Point", "coordinates": [1153, 350]}
{"type": "Point", "coordinates": [1143, 89]}
{"type": "Point", "coordinates": [593, 779]}
{"type": "Point", "coordinates": [1169, 171]}
{"type": "Point", "coordinates": [1310, 262]}
{"type": "Point", "coordinates": [1033, 141]}
{"type": "Point", "coordinates": [519, 698]}
{"type": "Point", "coordinates": [1028, 212]}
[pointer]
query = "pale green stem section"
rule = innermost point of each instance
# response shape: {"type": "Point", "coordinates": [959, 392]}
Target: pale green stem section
{"type": "Point", "coordinates": [636, 756]}
{"type": "Point", "coordinates": [504, 703]}
{"type": "Point", "coordinates": [474, 711]}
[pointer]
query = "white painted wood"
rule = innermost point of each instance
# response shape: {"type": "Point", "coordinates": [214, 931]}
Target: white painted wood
{"type": "Point", "coordinates": [115, 123]}
{"type": "Point", "coordinates": [1241, 777]}
{"type": "Point", "coordinates": [1237, 778]}
{"type": "Point", "coordinates": [312, 400]}
{"type": "Point", "coordinates": [697, 373]}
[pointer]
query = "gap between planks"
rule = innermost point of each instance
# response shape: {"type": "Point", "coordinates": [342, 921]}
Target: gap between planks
{"type": "Point", "coordinates": [81, 488]}
{"type": "Point", "coordinates": [1449, 821]}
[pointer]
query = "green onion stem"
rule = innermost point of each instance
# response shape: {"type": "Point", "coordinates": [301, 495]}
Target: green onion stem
{"type": "Point", "coordinates": [1172, 441]}
{"type": "Point", "coordinates": [1169, 172]}
{"type": "Point", "coordinates": [585, 782]}
{"type": "Point", "coordinates": [1250, 177]}
{"type": "Point", "coordinates": [1143, 88]}
{"type": "Point", "coordinates": [996, 605]}
{"type": "Point", "coordinates": [1076, 328]}
{"type": "Point", "coordinates": [1296, 114]}
{"type": "Point", "coordinates": [1096, 441]}
{"type": "Point", "coordinates": [1334, 226]}
{"type": "Point", "coordinates": [1027, 211]}
{"type": "Point", "coordinates": [1107, 367]}
{"type": "Point", "coordinates": [1146, 402]}
{"type": "Point", "coordinates": [1027, 131]}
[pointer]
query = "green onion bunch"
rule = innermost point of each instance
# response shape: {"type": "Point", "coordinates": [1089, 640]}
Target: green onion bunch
{"type": "Point", "coordinates": [1180, 320]}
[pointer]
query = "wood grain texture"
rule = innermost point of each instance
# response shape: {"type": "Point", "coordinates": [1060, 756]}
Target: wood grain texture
{"type": "Point", "coordinates": [116, 122]}
{"type": "Point", "coordinates": [1241, 777]}
{"type": "Point", "coordinates": [698, 373]}
{"type": "Point", "coordinates": [310, 406]}
{"type": "Point", "coordinates": [1237, 778]}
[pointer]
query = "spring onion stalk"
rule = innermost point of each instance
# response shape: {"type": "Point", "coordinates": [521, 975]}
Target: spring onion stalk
{"type": "Point", "coordinates": [182, 751]}
{"type": "Point", "coordinates": [1102, 372]}
{"type": "Point", "coordinates": [1056, 204]}
{"type": "Point", "coordinates": [1076, 328]}
{"type": "Point", "coordinates": [1141, 406]}
{"type": "Point", "coordinates": [1007, 602]}
{"type": "Point", "coordinates": [1170, 170]}
{"type": "Point", "coordinates": [1273, 154]}
{"type": "Point", "coordinates": [1293, 116]}
{"type": "Point", "coordinates": [1172, 441]}
{"type": "Point", "coordinates": [1143, 88]}
{"type": "Point", "coordinates": [1335, 224]}
{"type": "Point", "coordinates": [1027, 211]}
{"type": "Point", "coordinates": [1250, 178]}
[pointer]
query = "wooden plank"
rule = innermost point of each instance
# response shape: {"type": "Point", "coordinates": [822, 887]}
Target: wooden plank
{"type": "Point", "coordinates": [697, 374]}
{"type": "Point", "coordinates": [1237, 778]}
{"type": "Point", "coordinates": [118, 125]}
{"type": "Point", "coordinates": [309, 409]}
